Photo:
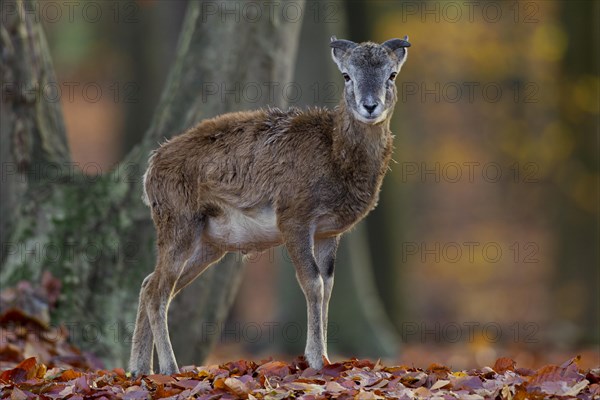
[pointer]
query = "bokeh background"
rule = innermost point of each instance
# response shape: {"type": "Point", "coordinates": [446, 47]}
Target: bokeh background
{"type": "Point", "coordinates": [485, 241]}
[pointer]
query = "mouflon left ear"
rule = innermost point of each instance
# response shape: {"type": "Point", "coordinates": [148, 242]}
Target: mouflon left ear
{"type": "Point", "coordinates": [339, 49]}
{"type": "Point", "coordinates": [398, 47]}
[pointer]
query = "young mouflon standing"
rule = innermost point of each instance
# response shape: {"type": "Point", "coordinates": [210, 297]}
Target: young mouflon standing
{"type": "Point", "coordinates": [248, 181]}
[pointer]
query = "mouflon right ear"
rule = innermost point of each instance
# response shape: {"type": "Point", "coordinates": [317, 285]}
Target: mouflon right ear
{"type": "Point", "coordinates": [340, 49]}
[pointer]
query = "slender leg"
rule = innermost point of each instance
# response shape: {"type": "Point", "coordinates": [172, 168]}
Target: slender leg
{"type": "Point", "coordinates": [159, 291]}
{"type": "Point", "coordinates": [299, 245]}
{"type": "Point", "coordinates": [175, 249]}
{"type": "Point", "coordinates": [325, 250]}
{"type": "Point", "coordinates": [142, 346]}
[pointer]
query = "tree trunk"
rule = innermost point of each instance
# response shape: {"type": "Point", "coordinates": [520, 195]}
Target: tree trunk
{"type": "Point", "coordinates": [93, 232]}
{"type": "Point", "coordinates": [576, 282]}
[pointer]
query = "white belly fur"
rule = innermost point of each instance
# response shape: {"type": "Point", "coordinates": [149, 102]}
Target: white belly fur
{"type": "Point", "coordinates": [244, 230]}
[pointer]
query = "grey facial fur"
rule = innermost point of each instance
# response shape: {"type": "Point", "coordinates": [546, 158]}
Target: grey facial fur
{"type": "Point", "coordinates": [369, 70]}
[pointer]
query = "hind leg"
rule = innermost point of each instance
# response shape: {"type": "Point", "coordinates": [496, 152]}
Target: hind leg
{"type": "Point", "coordinates": [142, 346]}
{"type": "Point", "coordinates": [158, 293]}
{"type": "Point", "coordinates": [175, 240]}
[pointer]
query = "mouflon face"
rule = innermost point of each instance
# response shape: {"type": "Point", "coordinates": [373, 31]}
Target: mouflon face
{"type": "Point", "coordinates": [369, 70]}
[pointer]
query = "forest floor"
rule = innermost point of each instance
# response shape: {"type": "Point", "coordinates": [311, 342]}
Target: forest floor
{"type": "Point", "coordinates": [59, 370]}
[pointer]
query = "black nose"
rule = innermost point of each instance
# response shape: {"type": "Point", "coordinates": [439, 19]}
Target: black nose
{"type": "Point", "coordinates": [370, 107]}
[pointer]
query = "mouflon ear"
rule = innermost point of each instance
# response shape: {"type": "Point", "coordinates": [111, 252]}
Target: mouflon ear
{"type": "Point", "coordinates": [395, 44]}
{"type": "Point", "coordinates": [339, 49]}
{"type": "Point", "coordinates": [398, 47]}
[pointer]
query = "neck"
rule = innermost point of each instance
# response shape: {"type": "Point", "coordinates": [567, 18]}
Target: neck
{"type": "Point", "coordinates": [354, 141]}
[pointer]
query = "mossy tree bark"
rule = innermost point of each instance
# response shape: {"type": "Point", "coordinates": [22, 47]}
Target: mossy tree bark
{"type": "Point", "coordinates": [93, 232]}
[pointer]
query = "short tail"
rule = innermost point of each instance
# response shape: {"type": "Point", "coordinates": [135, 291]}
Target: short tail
{"type": "Point", "coordinates": [145, 198]}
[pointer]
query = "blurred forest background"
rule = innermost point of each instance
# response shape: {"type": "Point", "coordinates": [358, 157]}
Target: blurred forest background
{"type": "Point", "coordinates": [485, 242]}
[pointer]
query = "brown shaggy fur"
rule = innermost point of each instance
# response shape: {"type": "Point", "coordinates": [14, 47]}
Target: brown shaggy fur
{"type": "Point", "coordinates": [252, 180]}
{"type": "Point", "coordinates": [312, 165]}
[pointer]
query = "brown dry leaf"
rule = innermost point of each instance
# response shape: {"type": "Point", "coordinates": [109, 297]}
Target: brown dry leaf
{"type": "Point", "coordinates": [220, 384]}
{"type": "Point", "coordinates": [69, 375]}
{"type": "Point", "coordinates": [307, 388]}
{"type": "Point", "coordinates": [201, 387]}
{"type": "Point", "coordinates": [504, 364]}
{"type": "Point", "coordinates": [18, 394]}
{"type": "Point", "coordinates": [334, 387]}
{"type": "Point", "coordinates": [29, 365]}
{"type": "Point", "coordinates": [437, 368]}
{"type": "Point", "coordinates": [561, 388]}
{"type": "Point", "coordinates": [162, 392]}
{"type": "Point", "coordinates": [422, 392]}
{"type": "Point", "coordinates": [439, 384]}
{"type": "Point", "coordinates": [546, 373]}
{"type": "Point", "coordinates": [364, 395]}
{"type": "Point", "coordinates": [158, 379]}
{"type": "Point", "coordinates": [274, 368]}
{"type": "Point", "coordinates": [413, 379]}
{"type": "Point", "coordinates": [593, 375]}
{"type": "Point", "coordinates": [333, 369]}
{"type": "Point", "coordinates": [240, 367]}
{"type": "Point", "coordinates": [575, 360]}
{"type": "Point", "coordinates": [237, 387]}
{"type": "Point", "coordinates": [186, 383]}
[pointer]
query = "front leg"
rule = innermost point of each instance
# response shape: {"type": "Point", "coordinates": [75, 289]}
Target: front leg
{"type": "Point", "coordinates": [325, 250]}
{"type": "Point", "coordinates": [299, 243]}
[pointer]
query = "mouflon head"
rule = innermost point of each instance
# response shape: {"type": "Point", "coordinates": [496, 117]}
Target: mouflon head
{"type": "Point", "coordinates": [369, 70]}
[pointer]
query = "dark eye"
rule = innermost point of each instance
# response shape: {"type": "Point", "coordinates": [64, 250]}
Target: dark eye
{"type": "Point", "coordinates": [393, 76]}
{"type": "Point", "coordinates": [346, 77]}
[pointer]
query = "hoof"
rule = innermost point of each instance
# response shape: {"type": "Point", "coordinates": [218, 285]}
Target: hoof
{"type": "Point", "coordinates": [137, 374]}
{"type": "Point", "coordinates": [315, 362]}
{"type": "Point", "coordinates": [169, 371]}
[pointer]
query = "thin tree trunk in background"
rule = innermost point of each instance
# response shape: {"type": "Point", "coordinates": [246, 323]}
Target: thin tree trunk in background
{"type": "Point", "coordinates": [94, 233]}
{"type": "Point", "coordinates": [577, 229]}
